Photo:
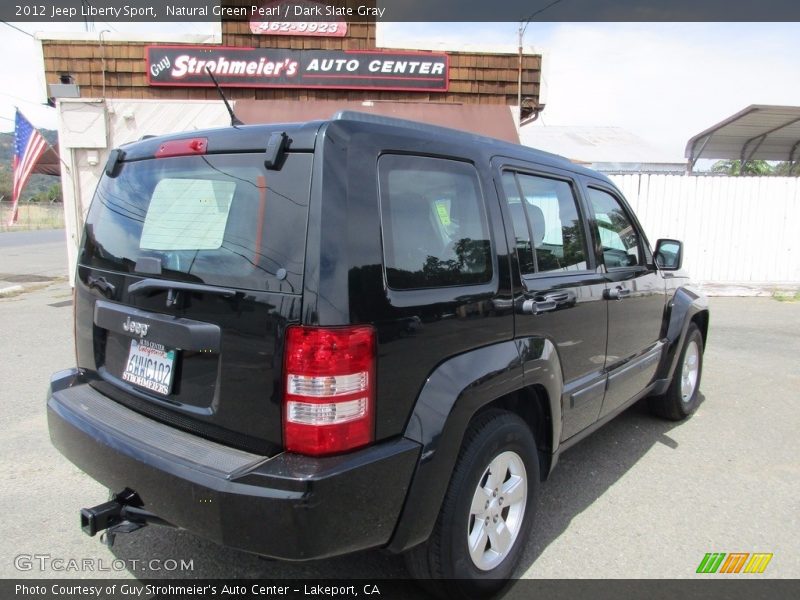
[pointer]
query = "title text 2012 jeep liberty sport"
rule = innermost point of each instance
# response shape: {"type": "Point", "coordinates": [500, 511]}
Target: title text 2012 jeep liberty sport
{"type": "Point", "coordinates": [311, 339]}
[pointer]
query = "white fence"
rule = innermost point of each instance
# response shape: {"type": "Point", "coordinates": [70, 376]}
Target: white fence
{"type": "Point", "coordinates": [736, 230]}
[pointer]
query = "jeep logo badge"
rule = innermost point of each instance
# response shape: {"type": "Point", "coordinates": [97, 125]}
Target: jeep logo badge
{"type": "Point", "coordinates": [139, 329]}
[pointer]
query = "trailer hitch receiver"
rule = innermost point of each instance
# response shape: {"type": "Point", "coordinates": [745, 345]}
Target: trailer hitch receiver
{"type": "Point", "coordinates": [121, 514]}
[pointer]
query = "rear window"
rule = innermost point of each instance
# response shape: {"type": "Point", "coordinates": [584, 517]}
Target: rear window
{"type": "Point", "coordinates": [215, 219]}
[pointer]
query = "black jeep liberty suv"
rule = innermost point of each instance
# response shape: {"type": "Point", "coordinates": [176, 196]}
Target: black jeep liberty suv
{"type": "Point", "coordinates": [306, 340]}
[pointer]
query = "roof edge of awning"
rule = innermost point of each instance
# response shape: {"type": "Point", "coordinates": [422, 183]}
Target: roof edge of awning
{"type": "Point", "coordinates": [697, 143]}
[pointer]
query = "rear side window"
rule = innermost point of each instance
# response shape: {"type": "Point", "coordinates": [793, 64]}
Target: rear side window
{"type": "Point", "coordinates": [435, 231]}
{"type": "Point", "coordinates": [522, 233]}
{"type": "Point", "coordinates": [215, 219]}
{"type": "Point", "coordinates": [547, 226]}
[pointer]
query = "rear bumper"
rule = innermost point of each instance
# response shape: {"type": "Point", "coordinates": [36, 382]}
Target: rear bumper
{"type": "Point", "coordinates": [289, 506]}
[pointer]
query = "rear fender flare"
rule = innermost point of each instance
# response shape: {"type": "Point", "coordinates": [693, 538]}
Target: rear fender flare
{"type": "Point", "coordinates": [453, 393]}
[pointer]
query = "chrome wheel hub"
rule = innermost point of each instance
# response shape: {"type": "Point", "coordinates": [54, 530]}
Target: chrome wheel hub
{"type": "Point", "coordinates": [690, 371]}
{"type": "Point", "coordinates": [497, 510]}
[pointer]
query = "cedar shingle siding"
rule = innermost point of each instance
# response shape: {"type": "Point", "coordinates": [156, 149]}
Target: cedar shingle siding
{"type": "Point", "coordinates": [474, 77]}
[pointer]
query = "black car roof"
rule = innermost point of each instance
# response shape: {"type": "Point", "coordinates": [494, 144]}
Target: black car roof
{"type": "Point", "coordinates": [302, 137]}
{"type": "Point", "coordinates": [498, 147]}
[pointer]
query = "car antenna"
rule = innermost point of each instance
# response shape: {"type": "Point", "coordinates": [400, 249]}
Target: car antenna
{"type": "Point", "coordinates": [234, 119]}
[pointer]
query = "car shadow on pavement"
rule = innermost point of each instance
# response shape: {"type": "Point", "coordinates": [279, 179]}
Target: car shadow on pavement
{"type": "Point", "coordinates": [586, 471]}
{"type": "Point", "coordinates": [583, 475]}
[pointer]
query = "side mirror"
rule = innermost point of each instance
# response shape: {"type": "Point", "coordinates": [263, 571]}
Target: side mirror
{"type": "Point", "coordinates": [669, 254]}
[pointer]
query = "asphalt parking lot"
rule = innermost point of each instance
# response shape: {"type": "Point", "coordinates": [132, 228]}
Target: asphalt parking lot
{"type": "Point", "coordinates": [641, 498]}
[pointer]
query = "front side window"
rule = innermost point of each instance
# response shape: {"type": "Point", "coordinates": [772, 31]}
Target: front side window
{"type": "Point", "coordinates": [615, 231]}
{"type": "Point", "coordinates": [435, 230]}
{"type": "Point", "coordinates": [547, 225]}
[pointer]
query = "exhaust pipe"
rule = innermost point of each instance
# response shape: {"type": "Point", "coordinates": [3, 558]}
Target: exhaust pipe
{"type": "Point", "coordinates": [121, 514]}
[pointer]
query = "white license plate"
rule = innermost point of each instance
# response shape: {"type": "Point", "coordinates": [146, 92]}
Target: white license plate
{"type": "Point", "coordinates": [150, 366]}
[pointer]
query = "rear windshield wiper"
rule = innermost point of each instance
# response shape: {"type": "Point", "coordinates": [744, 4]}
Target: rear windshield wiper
{"type": "Point", "coordinates": [152, 285]}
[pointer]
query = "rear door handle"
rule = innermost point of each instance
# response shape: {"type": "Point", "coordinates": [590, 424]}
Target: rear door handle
{"type": "Point", "coordinates": [560, 297]}
{"type": "Point", "coordinates": [617, 293]}
{"type": "Point", "coordinates": [537, 307]}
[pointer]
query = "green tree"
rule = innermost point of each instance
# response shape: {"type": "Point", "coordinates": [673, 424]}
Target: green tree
{"type": "Point", "coordinates": [54, 193]}
{"type": "Point", "coordinates": [734, 167]}
{"type": "Point", "coordinates": [788, 169]}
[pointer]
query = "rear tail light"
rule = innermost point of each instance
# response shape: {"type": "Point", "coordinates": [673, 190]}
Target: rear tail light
{"type": "Point", "coordinates": [329, 397]}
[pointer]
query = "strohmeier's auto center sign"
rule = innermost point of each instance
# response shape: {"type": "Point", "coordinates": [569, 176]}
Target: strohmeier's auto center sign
{"type": "Point", "coordinates": [273, 67]}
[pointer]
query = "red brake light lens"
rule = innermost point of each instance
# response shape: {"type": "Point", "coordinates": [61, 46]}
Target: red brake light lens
{"type": "Point", "coordinates": [182, 147]}
{"type": "Point", "coordinates": [329, 395]}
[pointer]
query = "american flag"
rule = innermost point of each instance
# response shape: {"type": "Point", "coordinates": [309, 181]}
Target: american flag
{"type": "Point", "coordinates": [29, 145]}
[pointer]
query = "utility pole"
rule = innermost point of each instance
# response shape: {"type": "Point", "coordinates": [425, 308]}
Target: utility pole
{"type": "Point", "coordinates": [519, 75]}
{"type": "Point", "coordinates": [523, 26]}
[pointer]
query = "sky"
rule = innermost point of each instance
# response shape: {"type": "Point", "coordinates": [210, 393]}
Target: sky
{"type": "Point", "coordinates": [664, 82]}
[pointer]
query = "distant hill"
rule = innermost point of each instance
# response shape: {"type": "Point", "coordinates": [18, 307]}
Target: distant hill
{"type": "Point", "coordinates": [38, 186]}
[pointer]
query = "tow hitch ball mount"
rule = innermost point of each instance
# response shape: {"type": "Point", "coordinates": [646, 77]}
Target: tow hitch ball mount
{"type": "Point", "coordinates": [121, 514]}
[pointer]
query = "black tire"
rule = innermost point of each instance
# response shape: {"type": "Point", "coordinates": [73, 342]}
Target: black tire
{"type": "Point", "coordinates": [443, 564]}
{"type": "Point", "coordinates": [673, 405]}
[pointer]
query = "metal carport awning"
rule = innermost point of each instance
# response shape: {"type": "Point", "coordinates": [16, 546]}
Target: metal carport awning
{"type": "Point", "coordinates": [759, 132]}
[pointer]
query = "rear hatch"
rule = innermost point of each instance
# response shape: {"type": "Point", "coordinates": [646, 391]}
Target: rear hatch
{"type": "Point", "coordinates": [191, 268]}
